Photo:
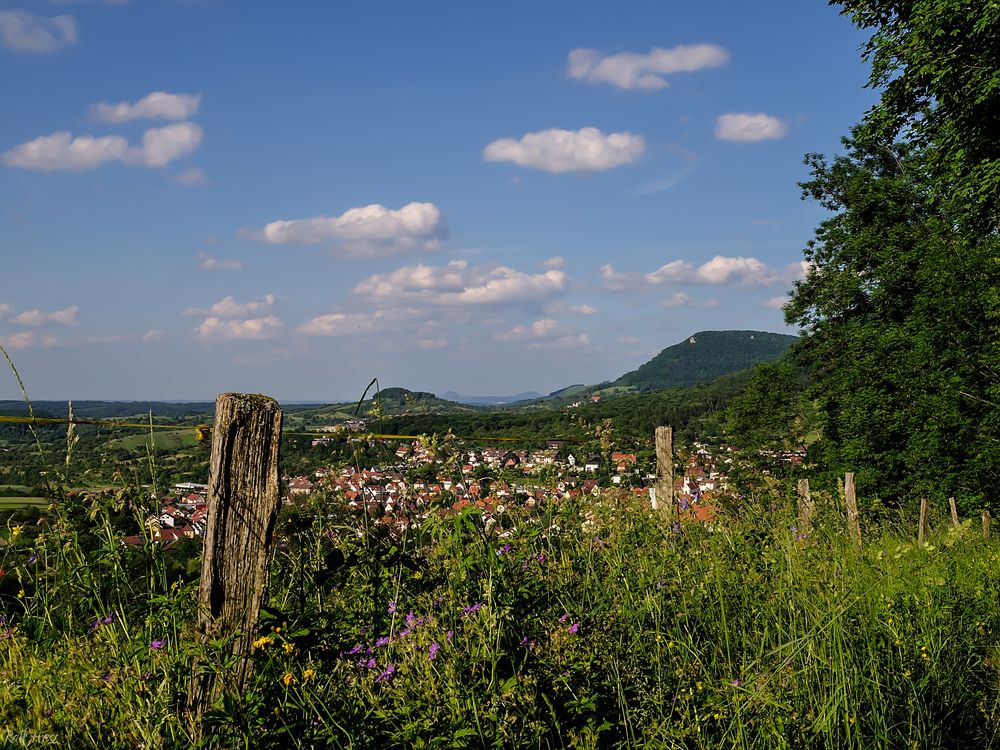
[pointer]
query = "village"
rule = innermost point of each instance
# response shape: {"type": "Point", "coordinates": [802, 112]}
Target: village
{"type": "Point", "coordinates": [493, 479]}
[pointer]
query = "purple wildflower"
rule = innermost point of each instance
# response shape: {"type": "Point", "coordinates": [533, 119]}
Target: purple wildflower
{"type": "Point", "coordinates": [392, 608]}
{"type": "Point", "coordinates": [677, 528]}
{"type": "Point", "coordinates": [574, 628]}
{"type": "Point", "coordinates": [109, 619]}
{"type": "Point", "coordinates": [410, 619]}
{"type": "Point", "coordinates": [383, 641]}
{"type": "Point", "coordinates": [684, 503]}
{"type": "Point", "coordinates": [448, 635]}
{"type": "Point", "coordinates": [157, 643]}
{"type": "Point", "coordinates": [387, 674]}
{"type": "Point", "coordinates": [503, 550]}
{"type": "Point", "coordinates": [356, 649]}
{"type": "Point", "coordinates": [32, 560]}
{"type": "Point", "coordinates": [737, 682]}
{"type": "Point", "coordinates": [370, 664]}
{"type": "Point", "coordinates": [564, 617]}
{"type": "Point", "coordinates": [472, 609]}
{"type": "Point", "coordinates": [528, 642]}
{"type": "Point", "coordinates": [433, 650]}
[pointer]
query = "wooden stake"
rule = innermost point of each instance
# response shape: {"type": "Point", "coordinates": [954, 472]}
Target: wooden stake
{"type": "Point", "coordinates": [243, 503]}
{"type": "Point", "coordinates": [954, 512]}
{"type": "Point", "coordinates": [922, 530]}
{"type": "Point", "coordinates": [807, 508]}
{"type": "Point", "coordinates": [986, 524]}
{"type": "Point", "coordinates": [853, 523]}
{"type": "Point", "coordinates": [665, 468]}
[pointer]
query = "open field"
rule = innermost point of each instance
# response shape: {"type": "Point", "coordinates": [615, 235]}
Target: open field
{"type": "Point", "coordinates": [21, 502]}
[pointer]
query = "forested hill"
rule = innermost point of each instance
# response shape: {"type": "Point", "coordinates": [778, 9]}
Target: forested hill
{"type": "Point", "coordinates": [705, 356]}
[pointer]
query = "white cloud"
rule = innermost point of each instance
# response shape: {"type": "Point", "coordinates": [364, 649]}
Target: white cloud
{"type": "Point", "coordinates": [372, 230]}
{"type": "Point", "coordinates": [748, 128]}
{"type": "Point", "coordinates": [346, 324]}
{"type": "Point", "coordinates": [211, 263]}
{"type": "Point", "coordinates": [255, 329]}
{"type": "Point", "coordinates": [61, 150]}
{"type": "Point", "coordinates": [23, 32]}
{"type": "Point", "coordinates": [718, 270]}
{"type": "Point", "coordinates": [5, 309]}
{"type": "Point", "coordinates": [27, 340]}
{"type": "Point", "coordinates": [776, 303]}
{"type": "Point", "coordinates": [457, 283]}
{"type": "Point", "coordinates": [191, 176]}
{"type": "Point", "coordinates": [546, 333]}
{"type": "Point", "coordinates": [680, 299]}
{"type": "Point", "coordinates": [160, 146]}
{"type": "Point", "coordinates": [630, 70]}
{"type": "Point", "coordinates": [555, 150]}
{"type": "Point", "coordinates": [154, 335]}
{"type": "Point", "coordinates": [159, 104]}
{"type": "Point", "coordinates": [66, 317]}
{"type": "Point", "coordinates": [559, 308]}
{"type": "Point", "coordinates": [228, 307]}
{"type": "Point", "coordinates": [554, 262]}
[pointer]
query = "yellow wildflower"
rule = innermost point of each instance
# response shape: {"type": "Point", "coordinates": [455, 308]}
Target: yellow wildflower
{"type": "Point", "coordinates": [263, 642]}
{"type": "Point", "coordinates": [289, 648]}
{"type": "Point", "coordinates": [698, 685]}
{"type": "Point", "coordinates": [308, 674]}
{"type": "Point", "coordinates": [659, 637]}
{"type": "Point", "coordinates": [20, 594]}
{"type": "Point", "coordinates": [288, 679]}
{"type": "Point", "coordinates": [15, 531]}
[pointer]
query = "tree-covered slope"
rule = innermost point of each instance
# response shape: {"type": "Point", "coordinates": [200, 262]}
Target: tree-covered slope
{"type": "Point", "coordinates": [705, 356]}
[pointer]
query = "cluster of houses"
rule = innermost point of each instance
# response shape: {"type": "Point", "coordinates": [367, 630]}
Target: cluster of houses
{"type": "Point", "coordinates": [390, 498]}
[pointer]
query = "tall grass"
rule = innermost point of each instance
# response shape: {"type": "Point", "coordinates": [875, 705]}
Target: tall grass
{"type": "Point", "coordinates": [590, 623]}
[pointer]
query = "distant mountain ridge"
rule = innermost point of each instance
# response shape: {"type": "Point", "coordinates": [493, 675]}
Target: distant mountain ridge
{"type": "Point", "coordinates": [705, 356]}
{"type": "Point", "coordinates": [489, 400]}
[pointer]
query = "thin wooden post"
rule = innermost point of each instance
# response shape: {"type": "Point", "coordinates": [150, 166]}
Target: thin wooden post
{"type": "Point", "coordinates": [986, 524]}
{"type": "Point", "coordinates": [243, 503]}
{"type": "Point", "coordinates": [954, 512]}
{"type": "Point", "coordinates": [665, 468]}
{"type": "Point", "coordinates": [807, 507]}
{"type": "Point", "coordinates": [853, 523]}
{"type": "Point", "coordinates": [922, 530]}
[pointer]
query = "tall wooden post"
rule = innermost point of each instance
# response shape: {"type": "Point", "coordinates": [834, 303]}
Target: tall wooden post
{"type": "Point", "coordinates": [853, 523]}
{"type": "Point", "coordinates": [922, 530]}
{"type": "Point", "coordinates": [243, 502]}
{"type": "Point", "coordinates": [986, 524]}
{"type": "Point", "coordinates": [665, 468]}
{"type": "Point", "coordinates": [807, 507]}
{"type": "Point", "coordinates": [954, 512]}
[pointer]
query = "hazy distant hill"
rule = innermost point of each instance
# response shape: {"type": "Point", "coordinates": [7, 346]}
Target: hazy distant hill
{"type": "Point", "coordinates": [705, 356]}
{"type": "Point", "coordinates": [490, 400]}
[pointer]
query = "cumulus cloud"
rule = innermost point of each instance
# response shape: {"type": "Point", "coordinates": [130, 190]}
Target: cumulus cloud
{"type": "Point", "coordinates": [66, 317]}
{"type": "Point", "coordinates": [556, 261]}
{"type": "Point", "coordinates": [61, 150]}
{"type": "Point", "coordinates": [253, 329]}
{"type": "Point", "coordinates": [24, 32]}
{"type": "Point", "coordinates": [372, 230]}
{"type": "Point", "coordinates": [345, 324]}
{"type": "Point", "coordinates": [748, 128]}
{"type": "Point", "coordinates": [211, 263]}
{"type": "Point", "coordinates": [630, 70]}
{"type": "Point", "coordinates": [680, 299]}
{"type": "Point", "coordinates": [555, 150]}
{"type": "Point", "coordinates": [458, 283]}
{"type": "Point", "coordinates": [559, 308]}
{"type": "Point", "coordinates": [27, 340]}
{"type": "Point", "coordinates": [718, 270]}
{"type": "Point", "coordinates": [228, 307]}
{"type": "Point", "coordinates": [159, 104]}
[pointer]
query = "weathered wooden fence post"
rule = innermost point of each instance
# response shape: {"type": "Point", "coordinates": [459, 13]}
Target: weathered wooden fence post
{"type": "Point", "coordinates": [922, 530]}
{"type": "Point", "coordinates": [986, 524]}
{"type": "Point", "coordinates": [954, 513]}
{"type": "Point", "coordinates": [807, 507]}
{"type": "Point", "coordinates": [665, 468]}
{"type": "Point", "coordinates": [243, 503]}
{"type": "Point", "coordinates": [853, 523]}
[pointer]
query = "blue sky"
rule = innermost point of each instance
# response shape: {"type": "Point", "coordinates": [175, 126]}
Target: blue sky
{"type": "Point", "coordinates": [294, 198]}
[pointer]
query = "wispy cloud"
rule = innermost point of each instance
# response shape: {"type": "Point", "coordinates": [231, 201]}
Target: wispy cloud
{"type": "Point", "coordinates": [158, 104]}
{"type": "Point", "coordinates": [65, 317]}
{"type": "Point", "coordinates": [211, 263]}
{"type": "Point", "coordinates": [24, 32]}
{"type": "Point", "coordinates": [631, 70]}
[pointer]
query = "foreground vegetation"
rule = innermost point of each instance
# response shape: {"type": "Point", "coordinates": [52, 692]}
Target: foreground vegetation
{"type": "Point", "coordinates": [584, 624]}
